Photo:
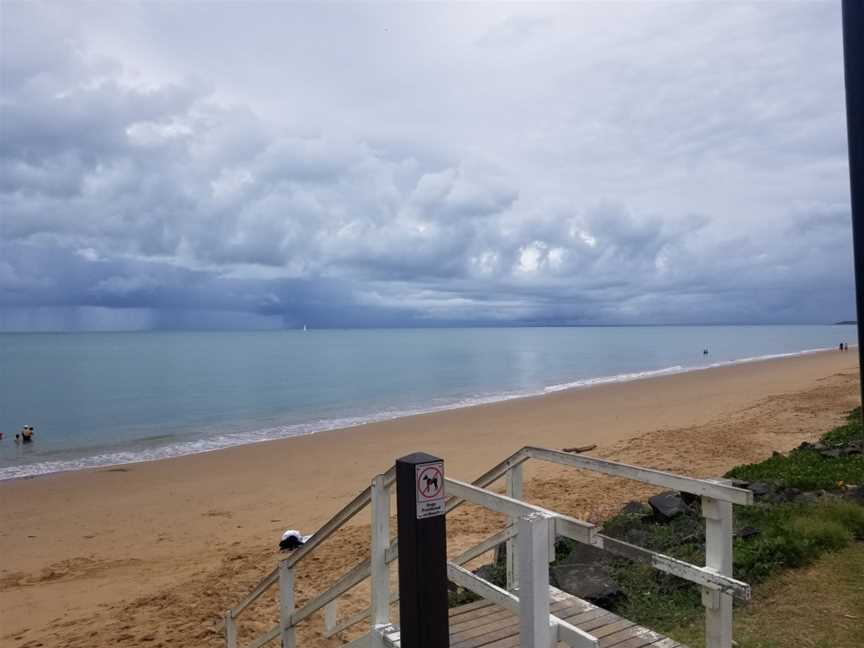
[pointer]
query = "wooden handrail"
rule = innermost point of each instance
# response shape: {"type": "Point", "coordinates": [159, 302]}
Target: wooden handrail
{"type": "Point", "coordinates": [704, 487]}
{"type": "Point", "coordinates": [710, 578]}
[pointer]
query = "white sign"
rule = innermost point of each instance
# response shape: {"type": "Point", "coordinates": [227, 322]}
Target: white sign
{"type": "Point", "coordinates": [430, 490]}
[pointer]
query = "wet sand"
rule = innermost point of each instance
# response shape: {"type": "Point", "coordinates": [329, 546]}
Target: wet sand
{"type": "Point", "coordinates": [151, 554]}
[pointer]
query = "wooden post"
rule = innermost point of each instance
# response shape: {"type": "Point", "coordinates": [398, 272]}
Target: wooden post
{"type": "Point", "coordinates": [514, 490]}
{"type": "Point", "coordinates": [331, 616]}
{"type": "Point", "coordinates": [286, 605]}
{"type": "Point", "coordinates": [853, 66]}
{"type": "Point", "coordinates": [380, 543]}
{"type": "Point", "coordinates": [534, 621]}
{"type": "Point", "coordinates": [423, 618]}
{"type": "Point", "coordinates": [230, 630]}
{"type": "Point", "coordinates": [718, 556]}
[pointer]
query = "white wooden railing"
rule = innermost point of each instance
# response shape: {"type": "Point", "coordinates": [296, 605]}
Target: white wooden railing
{"type": "Point", "coordinates": [530, 536]}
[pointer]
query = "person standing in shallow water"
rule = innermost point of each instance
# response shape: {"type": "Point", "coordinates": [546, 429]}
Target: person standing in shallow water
{"type": "Point", "coordinates": [27, 433]}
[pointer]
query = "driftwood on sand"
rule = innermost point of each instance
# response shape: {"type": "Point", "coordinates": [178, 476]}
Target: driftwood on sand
{"type": "Point", "coordinates": [578, 449]}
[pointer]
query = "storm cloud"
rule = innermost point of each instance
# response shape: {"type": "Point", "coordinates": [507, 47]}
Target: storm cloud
{"type": "Point", "coordinates": [262, 166]}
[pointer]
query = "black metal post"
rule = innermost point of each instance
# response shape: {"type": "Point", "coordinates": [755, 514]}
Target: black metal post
{"type": "Point", "coordinates": [853, 58]}
{"type": "Point", "coordinates": [423, 617]}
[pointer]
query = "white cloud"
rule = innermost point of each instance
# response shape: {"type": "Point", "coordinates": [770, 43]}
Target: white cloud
{"type": "Point", "coordinates": [581, 162]}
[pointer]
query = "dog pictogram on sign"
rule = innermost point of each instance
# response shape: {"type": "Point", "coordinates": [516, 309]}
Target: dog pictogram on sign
{"type": "Point", "coordinates": [430, 490]}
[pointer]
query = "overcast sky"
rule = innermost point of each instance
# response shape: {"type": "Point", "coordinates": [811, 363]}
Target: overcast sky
{"type": "Point", "coordinates": [267, 165]}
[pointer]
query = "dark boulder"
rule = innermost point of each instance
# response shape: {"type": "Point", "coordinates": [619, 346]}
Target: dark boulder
{"type": "Point", "coordinates": [788, 495]}
{"type": "Point", "coordinates": [668, 505]}
{"type": "Point", "coordinates": [760, 489]}
{"type": "Point", "coordinates": [585, 573]}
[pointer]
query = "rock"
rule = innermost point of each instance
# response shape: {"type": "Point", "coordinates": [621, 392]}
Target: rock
{"type": "Point", "coordinates": [592, 582]}
{"type": "Point", "coordinates": [748, 532]}
{"type": "Point", "coordinates": [788, 495]}
{"type": "Point", "coordinates": [580, 449]}
{"type": "Point", "coordinates": [832, 453]}
{"type": "Point", "coordinates": [635, 507]}
{"type": "Point", "coordinates": [492, 573]}
{"type": "Point", "coordinates": [668, 505]}
{"type": "Point", "coordinates": [760, 489]}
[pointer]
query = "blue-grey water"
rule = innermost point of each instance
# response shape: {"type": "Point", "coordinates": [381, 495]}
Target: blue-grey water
{"type": "Point", "coordinates": [99, 399]}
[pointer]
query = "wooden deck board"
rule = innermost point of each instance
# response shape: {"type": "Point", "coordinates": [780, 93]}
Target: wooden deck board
{"type": "Point", "coordinates": [485, 625]}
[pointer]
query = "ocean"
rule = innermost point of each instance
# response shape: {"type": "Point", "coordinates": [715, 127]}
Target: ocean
{"type": "Point", "coordinates": [100, 399]}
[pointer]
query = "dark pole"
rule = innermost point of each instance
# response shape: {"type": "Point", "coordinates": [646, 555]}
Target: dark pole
{"type": "Point", "coordinates": [423, 615]}
{"type": "Point", "coordinates": [853, 58]}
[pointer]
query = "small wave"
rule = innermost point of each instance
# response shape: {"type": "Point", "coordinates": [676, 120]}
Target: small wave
{"type": "Point", "coordinates": [625, 377]}
{"type": "Point", "coordinates": [229, 440]}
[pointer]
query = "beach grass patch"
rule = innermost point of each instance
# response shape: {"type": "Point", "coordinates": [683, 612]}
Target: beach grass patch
{"type": "Point", "coordinates": [844, 434]}
{"type": "Point", "coordinates": [809, 470]}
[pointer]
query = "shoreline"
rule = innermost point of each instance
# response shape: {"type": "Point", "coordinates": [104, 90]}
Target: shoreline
{"type": "Point", "coordinates": [229, 441]}
{"type": "Point", "coordinates": [156, 551]}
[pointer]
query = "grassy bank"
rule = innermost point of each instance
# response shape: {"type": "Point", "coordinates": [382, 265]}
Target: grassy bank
{"type": "Point", "coordinates": [807, 506]}
{"type": "Point", "coordinates": [820, 606]}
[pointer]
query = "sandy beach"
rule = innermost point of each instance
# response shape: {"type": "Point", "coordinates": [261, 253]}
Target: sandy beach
{"type": "Point", "coordinates": [151, 554]}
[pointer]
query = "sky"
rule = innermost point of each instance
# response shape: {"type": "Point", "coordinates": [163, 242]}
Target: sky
{"type": "Point", "coordinates": [271, 165]}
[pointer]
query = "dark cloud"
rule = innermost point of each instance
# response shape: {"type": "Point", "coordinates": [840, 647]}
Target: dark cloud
{"type": "Point", "coordinates": [461, 166]}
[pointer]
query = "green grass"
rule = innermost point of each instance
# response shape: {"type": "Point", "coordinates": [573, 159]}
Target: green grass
{"type": "Point", "coordinates": [818, 607]}
{"type": "Point", "coordinates": [845, 433]}
{"type": "Point", "coordinates": [809, 470]}
{"type": "Point", "coordinates": [791, 535]}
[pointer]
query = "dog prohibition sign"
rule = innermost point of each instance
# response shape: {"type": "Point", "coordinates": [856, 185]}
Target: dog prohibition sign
{"type": "Point", "coordinates": [430, 490]}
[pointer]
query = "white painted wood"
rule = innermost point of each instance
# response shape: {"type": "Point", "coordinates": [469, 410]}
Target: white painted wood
{"type": "Point", "coordinates": [703, 576]}
{"type": "Point", "coordinates": [584, 531]}
{"type": "Point", "coordinates": [515, 487]}
{"type": "Point", "coordinates": [486, 545]}
{"type": "Point", "coordinates": [534, 627]}
{"type": "Point", "coordinates": [360, 642]}
{"type": "Point", "coordinates": [571, 635]}
{"type": "Point", "coordinates": [492, 475]}
{"type": "Point", "coordinates": [331, 615]}
{"type": "Point", "coordinates": [266, 638]}
{"type": "Point", "coordinates": [379, 549]}
{"type": "Point", "coordinates": [286, 605]}
{"type": "Point", "coordinates": [346, 513]}
{"type": "Point", "coordinates": [718, 556]}
{"type": "Point", "coordinates": [230, 630]}
{"type": "Point", "coordinates": [482, 587]}
{"type": "Point", "coordinates": [349, 580]}
{"type": "Point", "coordinates": [466, 556]}
{"type": "Point", "coordinates": [509, 601]}
{"type": "Point", "coordinates": [704, 487]}
{"type": "Point", "coordinates": [263, 585]}
{"type": "Point", "coordinates": [357, 617]}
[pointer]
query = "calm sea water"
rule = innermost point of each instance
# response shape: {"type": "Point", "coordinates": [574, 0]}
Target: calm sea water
{"type": "Point", "coordinates": [108, 398]}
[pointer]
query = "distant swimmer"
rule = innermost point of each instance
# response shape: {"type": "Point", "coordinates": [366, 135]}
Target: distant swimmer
{"type": "Point", "coordinates": [27, 433]}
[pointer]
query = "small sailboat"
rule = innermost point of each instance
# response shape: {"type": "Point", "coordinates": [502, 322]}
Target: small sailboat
{"type": "Point", "coordinates": [304, 327]}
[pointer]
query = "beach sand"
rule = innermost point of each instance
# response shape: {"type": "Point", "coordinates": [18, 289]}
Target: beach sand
{"type": "Point", "coordinates": [152, 554]}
